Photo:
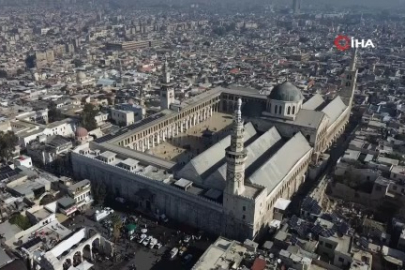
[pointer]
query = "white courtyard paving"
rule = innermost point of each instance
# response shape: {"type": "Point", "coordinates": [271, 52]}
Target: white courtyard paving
{"type": "Point", "coordinates": [187, 145]}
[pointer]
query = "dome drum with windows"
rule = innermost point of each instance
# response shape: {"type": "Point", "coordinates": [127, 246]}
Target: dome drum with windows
{"type": "Point", "coordinates": [284, 101]}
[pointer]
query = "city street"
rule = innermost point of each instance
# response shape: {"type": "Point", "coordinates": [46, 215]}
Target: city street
{"type": "Point", "coordinates": [336, 151]}
{"type": "Point", "coordinates": [145, 258]}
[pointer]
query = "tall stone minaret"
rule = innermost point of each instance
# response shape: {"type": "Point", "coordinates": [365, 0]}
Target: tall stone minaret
{"type": "Point", "coordinates": [166, 73]}
{"type": "Point", "coordinates": [167, 91]}
{"type": "Point", "coordinates": [349, 81]}
{"type": "Point", "coordinates": [236, 156]}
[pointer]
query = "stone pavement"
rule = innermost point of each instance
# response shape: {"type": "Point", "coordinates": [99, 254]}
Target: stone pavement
{"type": "Point", "coordinates": [187, 145]}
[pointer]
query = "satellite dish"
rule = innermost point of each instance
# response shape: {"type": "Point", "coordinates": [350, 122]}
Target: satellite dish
{"type": "Point", "coordinates": [279, 261]}
{"type": "Point", "coordinates": [271, 255]}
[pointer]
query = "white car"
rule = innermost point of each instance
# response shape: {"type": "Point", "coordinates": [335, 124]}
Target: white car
{"type": "Point", "coordinates": [144, 229]}
{"type": "Point", "coordinates": [146, 241]}
{"type": "Point", "coordinates": [173, 252]}
{"type": "Point", "coordinates": [142, 238]}
{"type": "Point", "coordinates": [152, 243]}
{"type": "Point", "coordinates": [186, 238]}
{"type": "Point", "coordinates": [158, 245]}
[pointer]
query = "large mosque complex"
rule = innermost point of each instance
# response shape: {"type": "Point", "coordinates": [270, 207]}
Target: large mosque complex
{"type": "Point", "coordinates": [210, 163]}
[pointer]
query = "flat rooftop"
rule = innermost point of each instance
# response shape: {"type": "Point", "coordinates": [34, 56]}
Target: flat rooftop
{"type": "Point", "coordinates": [142, 168]}
{"type": "Point", "coordinates": [28, 186]}
{"type": "Point", "coordinates": [41, 214]}
{"type": "Point", "coordinates": [185, 146]}
{"type": "Point", "coordinates": [157, 174]}
{"type": "Point", "coordinates": [52, 232]}
{"type": "Point", "coordinates": [221, 255]}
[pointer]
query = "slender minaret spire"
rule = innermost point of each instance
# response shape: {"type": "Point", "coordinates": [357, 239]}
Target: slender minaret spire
{"type": "Point", "coordinates": [354, 60]}
{"type": "Point", "coordinates": [166, 73]}
{"type": "Point", "coordinates": [349, 81]}
{"type": "Point", "coordinates": [167, 96]}
{"type": "Point", "coordinates": [236, 156]}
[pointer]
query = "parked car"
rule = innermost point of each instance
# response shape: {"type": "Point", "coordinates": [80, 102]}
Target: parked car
{"type": "Point", "coordinates": [199, 235]}
{"type": "Point", "coordinates": [146, 241]}
{"type": "Point", "coordinates": [142, 238]}
{"type": "Point", "coordinates": [186, 238]}
{"type": "Point", "coordinates": [174, 252]}
{"type": "Point", "coordinates": [152, 243]}
{"type": "Point", "coordinates": [187, 258]}
{"type": "Point", "coordinates": [182, 250]}
{"type": "Point", "coordinates": [158, 245]}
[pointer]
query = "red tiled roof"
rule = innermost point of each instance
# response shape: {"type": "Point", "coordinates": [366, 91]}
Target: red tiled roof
{"type": "Point", "coordinates": [234, 71]}
{"type": "Point", "coordinates": [259, 264]}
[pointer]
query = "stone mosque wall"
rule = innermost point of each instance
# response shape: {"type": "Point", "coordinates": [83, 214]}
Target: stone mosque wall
{"type": "Point", "coordinates": [177, 204]}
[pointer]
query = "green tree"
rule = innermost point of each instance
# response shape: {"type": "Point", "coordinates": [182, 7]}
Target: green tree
{"type": "Point", "coordinates": [88, 117]}
{"type": "Point", "coordinates": [30, 61]}
{"type": "Point", "coordinates": [77, 62]}
{"type": "Point", "coordinates": [53, 113]}
{"type": "Point", "coordinates": [117, 225]}
{"type": "Point", "coordinates": [99, 192]}
{"type": "Point", "coordinates": [21, 221]}
{"type": "Point", "coordinates": [8, 142]}
{"type": "Point", "coordinates": [3, 74]}
{"type": "Point", "coordinates": [20, 71]}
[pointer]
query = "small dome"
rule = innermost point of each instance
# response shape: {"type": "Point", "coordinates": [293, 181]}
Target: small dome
{"type": "Point", "coordinates": [286, 92]}
{"type": "Point", "coordinates": [81, 132]}
{"type": "Point", "coordinates": [81, 75]}
{"type": "Point", "coordinates": [131, 101]}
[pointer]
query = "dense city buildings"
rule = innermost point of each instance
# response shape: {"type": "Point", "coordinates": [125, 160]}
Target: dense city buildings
{"type": "Point", "coordinates": [200, 135]}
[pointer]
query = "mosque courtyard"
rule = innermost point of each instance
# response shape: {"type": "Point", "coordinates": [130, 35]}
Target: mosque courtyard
{"type": "Point", "coordinates": [185, 146]}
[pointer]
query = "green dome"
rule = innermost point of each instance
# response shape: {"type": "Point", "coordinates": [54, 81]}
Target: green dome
{"type": "Point", "coordinates": [286, 92]}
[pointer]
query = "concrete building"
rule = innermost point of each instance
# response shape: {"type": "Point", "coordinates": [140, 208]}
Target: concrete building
{"type": "Point", "coordinates": [23, 160]}
{"type": "Point", "coordinates": [230, 182]}
{"type": "Point", "coordinates": [296, 6]}
{"type": "Point", "coordinates": [30, 189]}
{"type": "Point", "coordinates": [122, 118]}
{"type": "Point", "coordinates": [133, 45]}
{"type": "Point", "coordinates": [80, 192]}
{"type": "Point", "coordinates": [40, 116]}
{"type": "Point", "coordinates": [48, 245]}
{"type": "Point", "coordinates": [223, 254]}
{"type": "Point", "coordinates": [139, 111]}
{"type": "Point", "coordinates": [45, 150]}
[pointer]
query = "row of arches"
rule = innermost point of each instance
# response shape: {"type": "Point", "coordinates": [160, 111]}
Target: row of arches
{"type": "Point", "coordinates": [85, 253]}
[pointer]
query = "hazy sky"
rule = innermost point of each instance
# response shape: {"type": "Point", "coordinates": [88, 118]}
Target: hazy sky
{"type": "Point", "coordinates": [385, 3]}
{"type": "Point", "coordinates": [380, 3]}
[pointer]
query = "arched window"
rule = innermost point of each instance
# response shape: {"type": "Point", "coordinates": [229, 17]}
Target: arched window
{"type": "Point", "coordinates": [244, 208]}
{"type": "Point", "coordinates": [279, 109]}
{"type": "Point", "coordinates": [243, 217]}
{"type": "Point", "coordinates": [269, 107]}
{"type": "Point", "coordinates": [289, 110]}
{"type": "Point", "coordinates": [275, 109]}
{"type": "Point", "coordinates": [347, 83]}
{"type": "Point", "coordinates": [293, 110]}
